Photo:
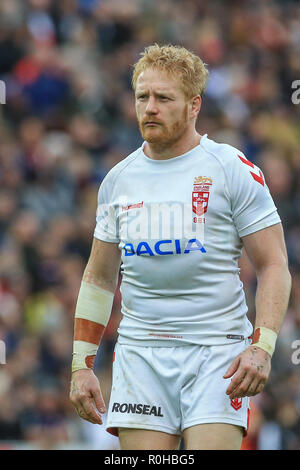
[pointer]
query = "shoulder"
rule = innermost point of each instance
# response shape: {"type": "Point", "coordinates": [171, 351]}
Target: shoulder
{"type": "Point", "coordinates": [227, 155]}
{"type": "Point", "coordinates": [234, 163]}
{"type": "Point", "coordinates": [116, 171]}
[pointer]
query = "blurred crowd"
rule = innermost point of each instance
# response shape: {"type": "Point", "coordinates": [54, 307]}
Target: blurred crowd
{"type": "Point", "coordinates": [69, 117]}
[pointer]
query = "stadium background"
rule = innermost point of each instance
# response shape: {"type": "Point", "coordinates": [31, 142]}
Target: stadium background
{"type": "Point", "coordinates": [69, 117]}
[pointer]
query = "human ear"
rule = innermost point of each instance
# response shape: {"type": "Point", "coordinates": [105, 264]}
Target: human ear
{"type": "Point", "coordinates": [196, 103]}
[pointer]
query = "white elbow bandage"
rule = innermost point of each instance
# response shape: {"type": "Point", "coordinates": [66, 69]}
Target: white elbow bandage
{"type": "Point", "coordinates": [265, 339]}
{"type": "Point", "coordinates": [92, 314]}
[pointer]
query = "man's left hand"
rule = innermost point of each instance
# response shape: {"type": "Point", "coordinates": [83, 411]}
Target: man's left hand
{"type": "Point", "coordinates": [251, 370]}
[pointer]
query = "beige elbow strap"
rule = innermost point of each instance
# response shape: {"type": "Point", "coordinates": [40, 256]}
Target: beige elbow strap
{"type": "Point", "coordinates": [92, 313]}
{"type": "Point", "coordinates": [265, 339]}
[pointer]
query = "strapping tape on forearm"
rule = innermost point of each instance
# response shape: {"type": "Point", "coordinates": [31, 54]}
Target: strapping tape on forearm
{"type": "Point", "coordinates": [265, 339]}
{"type": "Point", "coordinates": [92, 313]}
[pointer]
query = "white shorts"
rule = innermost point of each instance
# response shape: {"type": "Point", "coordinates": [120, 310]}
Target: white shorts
{"type": "Point", "coordinates": [170, 389]}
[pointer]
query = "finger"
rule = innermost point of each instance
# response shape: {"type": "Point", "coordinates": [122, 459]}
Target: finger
{"type": "Point", "coordinates": [242, 389]}
{"type": "Point", "coordinates": [83, 415]}
{"type": "Point", "coordinates": [89, 418]}
{"type": "Point", "coordinates": [252, 387]}
{"type": "Point", "coordinates": [84, 406]}
{"type": "Point", "coordinates": [99, 402]}
{"type": "Point", "coordinates": [259, 388]}
{"type": "Point", "coordinates": [90, 410]}
{"type": "Point", "coordinates": [232, 369]}
{"type": "Point", "coordinates": [237, 380]}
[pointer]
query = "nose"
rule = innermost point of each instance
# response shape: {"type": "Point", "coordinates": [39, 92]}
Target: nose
{"type": "Point", "coordinates": [151, 107]}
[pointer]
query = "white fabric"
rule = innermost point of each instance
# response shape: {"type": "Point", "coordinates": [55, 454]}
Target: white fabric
{"type": "Point", "coordinates": [94, 303]}
{"type": "Point", "coordinates": [181, 288]}
{"type": "Point", "coordinates": [169, 389]}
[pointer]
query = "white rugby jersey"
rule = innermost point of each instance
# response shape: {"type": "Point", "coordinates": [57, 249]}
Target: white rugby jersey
{"type": "Point", "coordinates": [179, 223]}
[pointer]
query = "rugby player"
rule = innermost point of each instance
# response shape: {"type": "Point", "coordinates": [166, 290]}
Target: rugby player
{"type": "Point", "coordinates": [176, 214]}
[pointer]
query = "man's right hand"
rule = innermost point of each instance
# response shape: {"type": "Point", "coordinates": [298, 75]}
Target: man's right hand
{"type": "Point", "coordinates": [86, 397]}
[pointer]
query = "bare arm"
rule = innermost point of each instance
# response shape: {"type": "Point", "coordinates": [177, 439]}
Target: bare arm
{"type": "Point", "coordinates": [267, 252]}
{"type": "Point", "coordinates": [101, 270]}
{"type": "Point", "coordinates": [103, 265]}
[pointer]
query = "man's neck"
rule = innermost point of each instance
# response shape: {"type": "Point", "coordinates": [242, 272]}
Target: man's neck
{"type": "Point", "coordinates": [165, 152]}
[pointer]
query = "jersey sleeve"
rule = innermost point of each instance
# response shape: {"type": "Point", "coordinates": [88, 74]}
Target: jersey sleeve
{"type": "Point", "coordinates": [106, 218]}
{"type": "Point", "coordinates": [252, 205]}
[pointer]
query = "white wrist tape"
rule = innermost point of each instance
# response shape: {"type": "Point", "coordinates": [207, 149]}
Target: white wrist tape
{"type": "Point", "coordinates": [92, 314]}
{"type": "Point", "coordinates": [265, 339]}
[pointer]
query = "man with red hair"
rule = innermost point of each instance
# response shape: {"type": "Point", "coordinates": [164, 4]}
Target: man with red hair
{"type": "Point", "coordinates": [177, 213]}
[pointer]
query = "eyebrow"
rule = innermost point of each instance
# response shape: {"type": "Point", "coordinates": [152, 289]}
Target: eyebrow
{"type": "Point", "coordinates": [159, 94]}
